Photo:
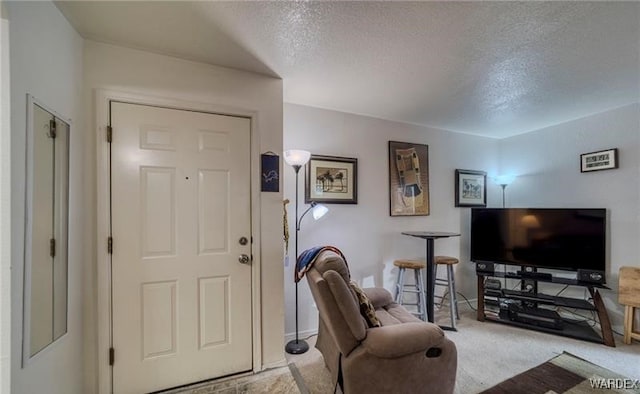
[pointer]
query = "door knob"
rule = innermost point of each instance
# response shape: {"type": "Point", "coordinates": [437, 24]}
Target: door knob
{"type": "Point", "coordinates": [244, 259]}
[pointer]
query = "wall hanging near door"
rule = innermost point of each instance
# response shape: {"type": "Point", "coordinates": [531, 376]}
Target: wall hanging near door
{"type": "Point", "coordinates": [46, 229]}
{"type": "Point", "coordinates": [270, 169]}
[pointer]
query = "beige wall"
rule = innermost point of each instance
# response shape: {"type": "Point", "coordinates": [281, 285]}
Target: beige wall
{"type": "Point", "coordinates": [547, 162]}
{"type": "Point", "coordinates": [142, 73]}
{"type": "Point", "coordinates": [5, 207]}
{"type": "Point", "coordinates": [46, 62]}
{"type": "Point", "coordinates": [366, 234]}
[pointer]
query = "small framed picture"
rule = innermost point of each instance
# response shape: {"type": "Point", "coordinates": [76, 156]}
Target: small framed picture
{"type": "Point", "coordinates": [601, 160]}
{"type": "Point", "coordinates": [471, 188]}
{"type": "Point", "coordinates": [331, 180]}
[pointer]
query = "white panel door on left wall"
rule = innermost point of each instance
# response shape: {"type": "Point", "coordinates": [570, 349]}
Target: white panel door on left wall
{"type": "Point", "coordinates": [180, 208]}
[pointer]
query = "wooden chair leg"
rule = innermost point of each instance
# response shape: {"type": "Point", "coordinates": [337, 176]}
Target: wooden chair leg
{"type": "Point", "coordinates": [628, 323]}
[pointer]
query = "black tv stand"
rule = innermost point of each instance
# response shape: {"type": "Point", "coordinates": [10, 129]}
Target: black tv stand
{"type": "Point", "coordinates": [537, 310]}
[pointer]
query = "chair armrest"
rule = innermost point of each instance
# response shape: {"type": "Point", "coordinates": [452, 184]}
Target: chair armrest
{"type": "Point", "coordinates": [401, 339]}
{"type": "Point", "coordinates": [378, 296]}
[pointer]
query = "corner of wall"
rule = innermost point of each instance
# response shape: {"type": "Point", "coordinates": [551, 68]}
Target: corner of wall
{"type": "Point", "coordinates": [5, 206]}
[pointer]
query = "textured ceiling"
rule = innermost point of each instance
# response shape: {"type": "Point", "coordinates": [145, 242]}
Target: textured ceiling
{"type": "Point", "coordinates": [487, 68]}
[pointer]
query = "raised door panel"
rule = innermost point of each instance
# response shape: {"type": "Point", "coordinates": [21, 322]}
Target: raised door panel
{"type": "Point", "coordinates": [158, 208]}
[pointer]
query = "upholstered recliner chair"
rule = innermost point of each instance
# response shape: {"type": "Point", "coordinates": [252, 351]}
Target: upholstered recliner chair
{"type": "Point", "coordinates": [403, 355]}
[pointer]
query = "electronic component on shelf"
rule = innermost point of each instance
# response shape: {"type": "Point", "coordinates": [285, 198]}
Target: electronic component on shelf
{"type": "Point", "coordinates": [493, 293]}
{"type": "Point", "coordinates": [485, 267]}
{"type": "Point", "coordinates": [535, 275]}
{"type": "Point", "coordinates": [493, 284]}
{"type": "Point", "coordinates": [536, 316]}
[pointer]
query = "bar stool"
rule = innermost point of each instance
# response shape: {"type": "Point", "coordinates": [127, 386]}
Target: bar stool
{"type": "Point", "coordinates": [417, 288]}
{"type": "Point", "coordinates": [450, 283]}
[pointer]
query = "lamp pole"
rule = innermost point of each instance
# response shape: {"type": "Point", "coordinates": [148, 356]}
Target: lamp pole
{"type": "Point", "coordinates": [296, 346]}
{"type": "Point", "coordinates": [504, 186]}
{"type": "Point", "coordinates": [296, 159]}
{"type": "Point", "coordinates": [504, 181]}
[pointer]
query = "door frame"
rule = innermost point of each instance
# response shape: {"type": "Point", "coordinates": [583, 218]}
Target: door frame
{"type": "Point", "coordinates": [103, 97]}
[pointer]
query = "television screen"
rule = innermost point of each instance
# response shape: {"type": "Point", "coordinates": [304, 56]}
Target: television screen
{"type": "Point", "coordinates": [566, 239]}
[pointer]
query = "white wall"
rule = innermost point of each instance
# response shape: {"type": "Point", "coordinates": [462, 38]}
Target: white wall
{"type": "Point", "coordinates": [46, 61]}
{"type": "Point", "coordinates": [5, 207]}
{"type": "Point", "coordinates": [143, 73]}
{"type": "Point", "coordinates": [547, 162]}
{"type": "Point", "coordinates": [365, 233]}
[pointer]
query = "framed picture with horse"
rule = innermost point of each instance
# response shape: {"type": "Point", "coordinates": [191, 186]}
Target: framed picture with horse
{"type": "Point", "coordinates": [331, 180]}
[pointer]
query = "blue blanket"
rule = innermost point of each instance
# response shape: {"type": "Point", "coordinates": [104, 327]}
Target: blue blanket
{"type": "Point", "coordinates": [308, 257]}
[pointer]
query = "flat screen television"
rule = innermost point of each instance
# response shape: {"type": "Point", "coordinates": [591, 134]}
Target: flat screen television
{"type": "Point", "coordinates": [559, 238]}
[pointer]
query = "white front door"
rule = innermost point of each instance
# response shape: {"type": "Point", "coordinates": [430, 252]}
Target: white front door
{"type": "Point", "coordinates": [180, 209]}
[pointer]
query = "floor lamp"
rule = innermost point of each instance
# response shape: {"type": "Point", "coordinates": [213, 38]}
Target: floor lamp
{"type": "Point", "coordinates": [296, 159]}
{"type": "Point", "coordinates": [504, 181]}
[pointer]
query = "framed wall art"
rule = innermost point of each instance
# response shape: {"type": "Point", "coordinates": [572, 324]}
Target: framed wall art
{"type": "Point", "coordinates": [331, 180]}
{"type": "Point", "coordinates": [471, 188]}
{"type": "Point", "coordinates": [601, 160]}
{"type": "Point", "coordinates": [408, 179]}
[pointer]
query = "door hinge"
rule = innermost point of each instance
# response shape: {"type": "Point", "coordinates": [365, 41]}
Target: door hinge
{"type": "Point", "coordinates": [52, 128]}
{"type": "Point", "coordinates": [109, 133]}
{"type": "Point", "coordinates": [52, 247]}
{"type": "Point", "coordinates": [112, 355]}
{"type": "Point", "coordinates": [110, 245]}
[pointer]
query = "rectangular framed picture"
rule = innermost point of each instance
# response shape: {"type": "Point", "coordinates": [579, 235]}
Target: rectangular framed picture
{"type": "Point", "coordinates": [601, 160]}
{"type": "Point", "coordinates": [408, 179]}
{"type": "Point", "coordinates": [471, 188]}
{"type": "Point", "coordinates": [331, 180]}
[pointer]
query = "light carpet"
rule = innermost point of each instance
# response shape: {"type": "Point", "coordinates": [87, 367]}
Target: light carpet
{"type": "Point", "coordinates": [488, 354]}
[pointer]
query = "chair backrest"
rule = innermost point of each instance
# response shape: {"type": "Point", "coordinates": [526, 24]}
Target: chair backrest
{"type": "Point", "coordinates": [629, 286]}
{"type": "Point", "coordinates": [337, 304]}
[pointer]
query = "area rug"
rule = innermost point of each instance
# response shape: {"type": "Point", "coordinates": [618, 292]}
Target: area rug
{"type": "Point", "coordinates": [568, 374]}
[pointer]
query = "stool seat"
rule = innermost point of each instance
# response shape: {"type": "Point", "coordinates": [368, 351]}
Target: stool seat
{"type": "Point", "coordinates": [446, 260]}
{"type": "Point", "coordinates": [410, 264]}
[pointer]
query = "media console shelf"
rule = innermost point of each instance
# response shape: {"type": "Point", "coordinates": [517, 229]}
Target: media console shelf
{"type": "Point", "coordinates": [536, 310]}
